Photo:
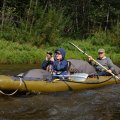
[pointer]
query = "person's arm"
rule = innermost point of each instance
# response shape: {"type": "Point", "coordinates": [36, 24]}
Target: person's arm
{"type": "Point", "coordinates": [45, 64]}
{"type": "Point", "coordinates": [91, 62]}
{"type": "Point", "coordinates": [110, 64]}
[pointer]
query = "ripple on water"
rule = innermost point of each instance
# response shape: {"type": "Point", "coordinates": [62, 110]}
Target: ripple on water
{"type": "Point", "coordinates": [93, 104]}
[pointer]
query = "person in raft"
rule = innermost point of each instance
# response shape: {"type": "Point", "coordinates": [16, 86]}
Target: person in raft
{"type": "Point", "coordinates": [60, 65]}
{"type": "Point", "coordinates": [48, 62]}
{"type": "Point", "coordinates": [104, 61]}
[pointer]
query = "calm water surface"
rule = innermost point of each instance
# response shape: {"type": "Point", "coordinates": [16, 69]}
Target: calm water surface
{"type": "Point", "coordinates": [94, 104]}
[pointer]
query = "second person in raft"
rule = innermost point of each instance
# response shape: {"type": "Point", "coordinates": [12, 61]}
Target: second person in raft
{"type": "Point", "coordinates": [60, 65]}
{"type": "Point", "coordinates": [48, 62]}
{"type": "Point", "coordinates": [104, 61]}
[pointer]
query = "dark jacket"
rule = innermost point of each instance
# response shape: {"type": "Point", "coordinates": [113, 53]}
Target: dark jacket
{"type": "Point", "coordinates": [46, 63]}
{"type": "Point", "coordinates": [63, 64]}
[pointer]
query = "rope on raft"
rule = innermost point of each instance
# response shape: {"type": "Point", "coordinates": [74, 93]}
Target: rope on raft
{"type": "Point", "coordinates": [21, 81]}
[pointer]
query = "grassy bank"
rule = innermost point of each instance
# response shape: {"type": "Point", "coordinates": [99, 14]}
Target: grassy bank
{"type": "Point", "coordinates": [12, 53]}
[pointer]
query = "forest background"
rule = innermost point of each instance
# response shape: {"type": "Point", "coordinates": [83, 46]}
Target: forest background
{"type": "Point", "coordinates": [30, 28]}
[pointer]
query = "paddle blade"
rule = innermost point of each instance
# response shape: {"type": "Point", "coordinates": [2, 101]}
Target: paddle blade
{"type": "Point", "coordinates": [79, 77]}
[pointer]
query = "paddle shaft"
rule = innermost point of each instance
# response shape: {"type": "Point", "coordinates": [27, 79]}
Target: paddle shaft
{"type": "Point", "coordinates": [69, 76]}
{"type": "Point", "coordinates": [94, 60]}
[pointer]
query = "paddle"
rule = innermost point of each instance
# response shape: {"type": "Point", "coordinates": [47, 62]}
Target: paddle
{"type": "Point", "coordinates": [94, 60]}
{"type": "Point", "coordinates": [77, 77]}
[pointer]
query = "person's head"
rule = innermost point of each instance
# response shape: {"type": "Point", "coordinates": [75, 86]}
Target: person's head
{"type": "Point", "coordinates": [59, 54]}
{"type": "Point", "coordinates": [49, 55]}
{"type": "Point", "coordinates": [101, 53]}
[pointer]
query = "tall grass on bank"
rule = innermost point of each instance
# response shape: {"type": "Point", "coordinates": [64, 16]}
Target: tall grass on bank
{"type": "Point", "coordinates": [111, 51]}
{"type": "Point", "coordinates": [15, 53]}
{"type": "Point", "coordinates": [87, 45]}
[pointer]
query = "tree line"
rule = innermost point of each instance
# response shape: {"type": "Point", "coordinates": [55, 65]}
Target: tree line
{"type": "Point", "coordinates": [49, 21]}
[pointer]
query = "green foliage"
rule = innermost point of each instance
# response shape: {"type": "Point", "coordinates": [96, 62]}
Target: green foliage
{"type": "Point", "coordinates": [16, 53]}
{"type": "Point", "coordinates": [111, 37]}
{"type": "Point", "coordinates": [45, 22]}
{"type": "Point", "coordinates": [41, 22]}
{"type": "Point", "coordinates": [115, 35]}
{"type": "Point", "coordinates": [41, 27]}
{"type": "Point", "coordinates": [99, 38]}
{"type": "Point", "coordinates": [50, 27]}
{"type": "Point", "coordinates": [51, 24]}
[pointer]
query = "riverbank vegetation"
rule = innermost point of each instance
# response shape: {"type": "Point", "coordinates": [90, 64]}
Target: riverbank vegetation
{"type": "Point", "coordinates": [15, 53]}
{"type": "Point", "coordinates": [29, 28]}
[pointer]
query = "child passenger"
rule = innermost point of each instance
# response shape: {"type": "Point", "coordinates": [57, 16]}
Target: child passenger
{"type": "Point", "coordinates": [60, 65]}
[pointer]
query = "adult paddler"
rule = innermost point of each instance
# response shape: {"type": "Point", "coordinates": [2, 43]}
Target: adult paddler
{"type": "Point", "coordinates": [104, 61]}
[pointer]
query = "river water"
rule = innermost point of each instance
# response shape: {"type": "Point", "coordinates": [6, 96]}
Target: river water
{"type": "Point", "coordinates": [94, 104]}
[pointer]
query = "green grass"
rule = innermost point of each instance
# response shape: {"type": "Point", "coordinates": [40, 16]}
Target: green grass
{"type": "Point", "coordinates": [15, 53]}
{"type": "Point", "coordinates": [89, 48]}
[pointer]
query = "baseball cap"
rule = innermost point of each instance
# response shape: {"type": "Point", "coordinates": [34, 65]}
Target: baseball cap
{"type": "Point", "coordinates": [101, 50]}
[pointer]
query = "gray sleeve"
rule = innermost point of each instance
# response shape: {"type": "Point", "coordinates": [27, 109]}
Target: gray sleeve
{"type": "Point", "coordinates": [92, 63]}
{"type": "Point", "coordinates": [110, 64]}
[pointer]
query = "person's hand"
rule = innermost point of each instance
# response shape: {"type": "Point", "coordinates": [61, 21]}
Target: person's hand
{"type": "Point", "coordinates": [90, 58]}
{"type": "Point", "coordinates": [109, 71]}
{"type": "Point", "coordinates": [52, 59]}
{"type": "Point", "coordinates": [46, 58]}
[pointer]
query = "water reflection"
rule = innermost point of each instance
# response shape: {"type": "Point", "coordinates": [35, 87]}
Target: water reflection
{"type": "Point", "coordinates": [94, 104]}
